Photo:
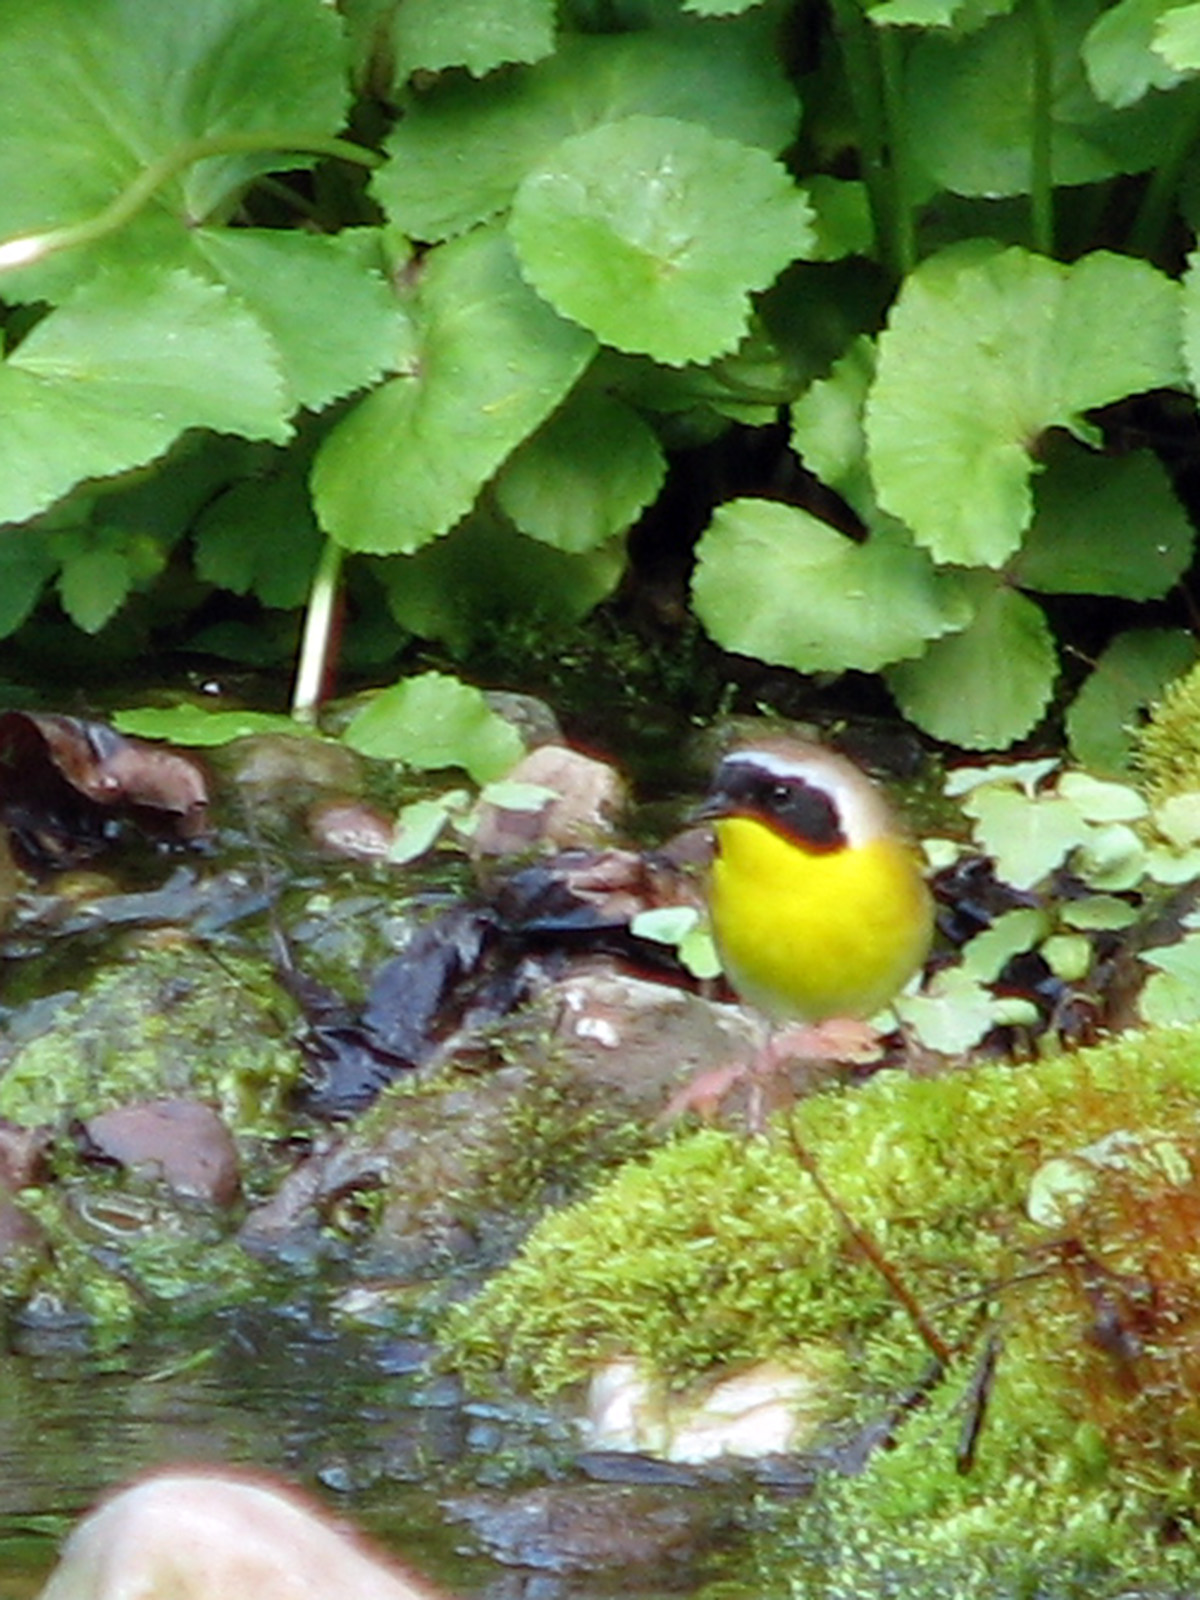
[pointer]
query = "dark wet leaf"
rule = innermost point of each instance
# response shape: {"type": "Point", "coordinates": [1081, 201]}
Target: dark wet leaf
{"type": "Point", "coordinates": [68, 788]}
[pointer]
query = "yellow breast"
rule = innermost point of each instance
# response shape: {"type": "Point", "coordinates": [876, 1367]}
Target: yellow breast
{"type": "Point", "coordinates": [816, 935]}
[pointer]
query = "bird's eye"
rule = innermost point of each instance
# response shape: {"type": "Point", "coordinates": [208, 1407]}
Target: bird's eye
{"type": "Point", "coordinates": [779, 795]}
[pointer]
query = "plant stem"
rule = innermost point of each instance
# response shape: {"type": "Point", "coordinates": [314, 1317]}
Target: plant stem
{"type": "Point", "coordinates": [866, 97]}
{"type": "Point", "coordinates": [930, 1337]}
{"type": "Point", "coordinates": [891, 61]}
{"type": "Point", "coordinates": [1041, 135]}
{"type": "Point", "coordinates": [28, 247]}
{"type": "Point", "coordinates": [316, 645]}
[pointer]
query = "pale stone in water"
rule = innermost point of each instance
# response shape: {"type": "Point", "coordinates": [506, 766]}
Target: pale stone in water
{"type": "Point", "coordinates": [195, 1535]}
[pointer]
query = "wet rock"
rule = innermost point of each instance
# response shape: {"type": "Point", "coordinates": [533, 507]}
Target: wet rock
{"type": "Point", "coordinates": [589, 1526]}
{"type": "Point", "coordinates": [287, 771]}
{"type": "Point", "coordinates": [351, 828]}
{"type": "Point", "coordinates": [586, 797]}
{"type": "Point", "coordinates": [409, 1188]}
{"type": "Point", "coordinates": [643, 1040]}
{"type": "Point", "coordinates": [532, 718]}
{"type": "Point", "coordinates": [182, 1143]}
{"type": "Point", "coordinates": [453, 1163]}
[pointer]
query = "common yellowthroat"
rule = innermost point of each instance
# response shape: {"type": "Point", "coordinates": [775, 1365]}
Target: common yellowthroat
{"type": "Point", "coordinates": [818, 906]}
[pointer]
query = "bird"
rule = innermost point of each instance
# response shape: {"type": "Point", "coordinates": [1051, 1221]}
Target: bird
{"type": "Point", "coordinates": [818, 906]}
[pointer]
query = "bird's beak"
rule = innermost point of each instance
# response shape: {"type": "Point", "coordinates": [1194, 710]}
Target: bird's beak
{"type": "Point", "coordinates": [712, 806]}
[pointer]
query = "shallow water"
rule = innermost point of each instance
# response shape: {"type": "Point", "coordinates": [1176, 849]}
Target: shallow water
{"type": "Point", "coordinates": [345, 1416]}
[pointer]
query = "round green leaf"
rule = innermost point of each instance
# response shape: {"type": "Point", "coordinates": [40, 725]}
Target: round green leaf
{"type": "Point", "coordinates": [584, 475]}
{"type": "Point", "coordinates": [1121, 63]}
{"type": "Point", "coordinates": [984, 687]}
{"type": "Point", "coordinates": [971, 108]}
{"type": "Point", "coordinates": [1027, 839]}
{"type": "Point", "coordinates": [435, 721]}
{"type": "Point", "coordinates": [1132, 671]}
{"type": "Point", "coordinates": [112, 378]}
{"type": "Point", "coordinates": [1105, 525]}
{"type": "Point", "coordinates": [493, 361]}
{"type": "Point", "coordinates": [653, 233]}
{"type": "Point", "coordinates": [1177, 38]}
{"type": "Point", "coordinates": [336, 326]}
{"type": "Point", "coordinates": [984, 351]}
{"type": "Point", "coordinates": [134, 79]}
{"type": "Point", "coordinates": [461, 149]}
{"type": "Point", "coordinates": [431, 35]}
{"type": "Point", "coordinates": [775, 582]}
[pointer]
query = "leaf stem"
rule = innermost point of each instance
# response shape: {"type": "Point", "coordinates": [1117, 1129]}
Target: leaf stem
{"type": "Point", "coordinates": [29, 247]}
{"type": "Point", "coordinates": [1041, 135]}
{"type": "Point", "coordinates": [891, 62]}
{"type": "Point", "coordinates": [316, 645]}
{"type": "Point", "coordinates": [866, 97]}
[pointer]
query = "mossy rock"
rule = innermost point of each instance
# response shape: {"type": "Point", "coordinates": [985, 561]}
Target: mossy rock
{"type": "Point", "coordinates": [717, 1251]}
{"type": "Point", "coordinates": [166, 1020]}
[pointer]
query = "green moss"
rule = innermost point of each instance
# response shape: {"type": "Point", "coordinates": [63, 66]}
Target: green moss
{"type": "Point", "coordinates": [166, 1021]}
{"type": "Point", "coordinates": [717, 1251]}
{"type": "Point", "coordinates": [1167, 750]}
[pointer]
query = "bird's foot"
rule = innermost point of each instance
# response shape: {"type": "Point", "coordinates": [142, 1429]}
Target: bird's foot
{"type": "Point", "coordinates": [765, 1076]}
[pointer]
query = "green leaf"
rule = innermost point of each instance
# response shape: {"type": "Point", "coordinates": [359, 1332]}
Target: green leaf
{"type": "Point", "coordinates": [1112, 858]}
{"type": "Point", "coordinates": [335, 326]}
{"type": "Point", "coordinates": [420, 825]}
{"type": "Point", "coordinates": [260, 537]}
{"type": "Point", "coordinates": [485, 574]}
{"type": "Point", "coordinates": [1027, 839]}
{"type": "Point", "coordinates": [1101, 801]}
{"type": "Point", "coordinates": [430, 35]}
{"type": "Point", "coordinates": [1178, 819]}
{"type": "Point", "coordinates": [93, 585]}
{"type": "Point", "coordinates": [460, 151]}
{"type": "Point", "coordinates": [1105, 525]}
{"type": "Point", "coordinates": [842, 223]}
{"type": "Point", "coordinates": [435, 721]}
{"type": "Point", "coordinates": [203, 727]}
{"type": "Point", "coordinates": [984, 687]}
{"type": "Point", "coordinates": [971, 108]}
{"type": "Point", "coordinates": [1098, 913]}
{"type": "Point", "coordinates": [1013, 933]}
{"type": "Point", "coordinates": [1172, 995]}
{"type": "Point", "coordinates": [983, 352]}
{"type": "Point", "coordinates": [1131, 673]}
{"type": "Point", "coordinates": [827, 427]}
{"type": "Point", "coordinates": [653, 233]}
{"type": "Point", "coordinates": [1177, 38]}
{"type": "Point", "coordinates": [775, 582]}
{"type": "Point", "coordinates": [133, 80]}
{"type": "Point", "coordinates": [110, 379]}
{"type": "Point", "coordinates": [954, 1013]}
{"type": "Point", "coordinates": [1121, 64]}
{"type": "Point", "coordinates": [26, 562]}
{"type": "Point", "coordinates": [494, 360]}
{"type": "Point", "coordinates": [584, 475]}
